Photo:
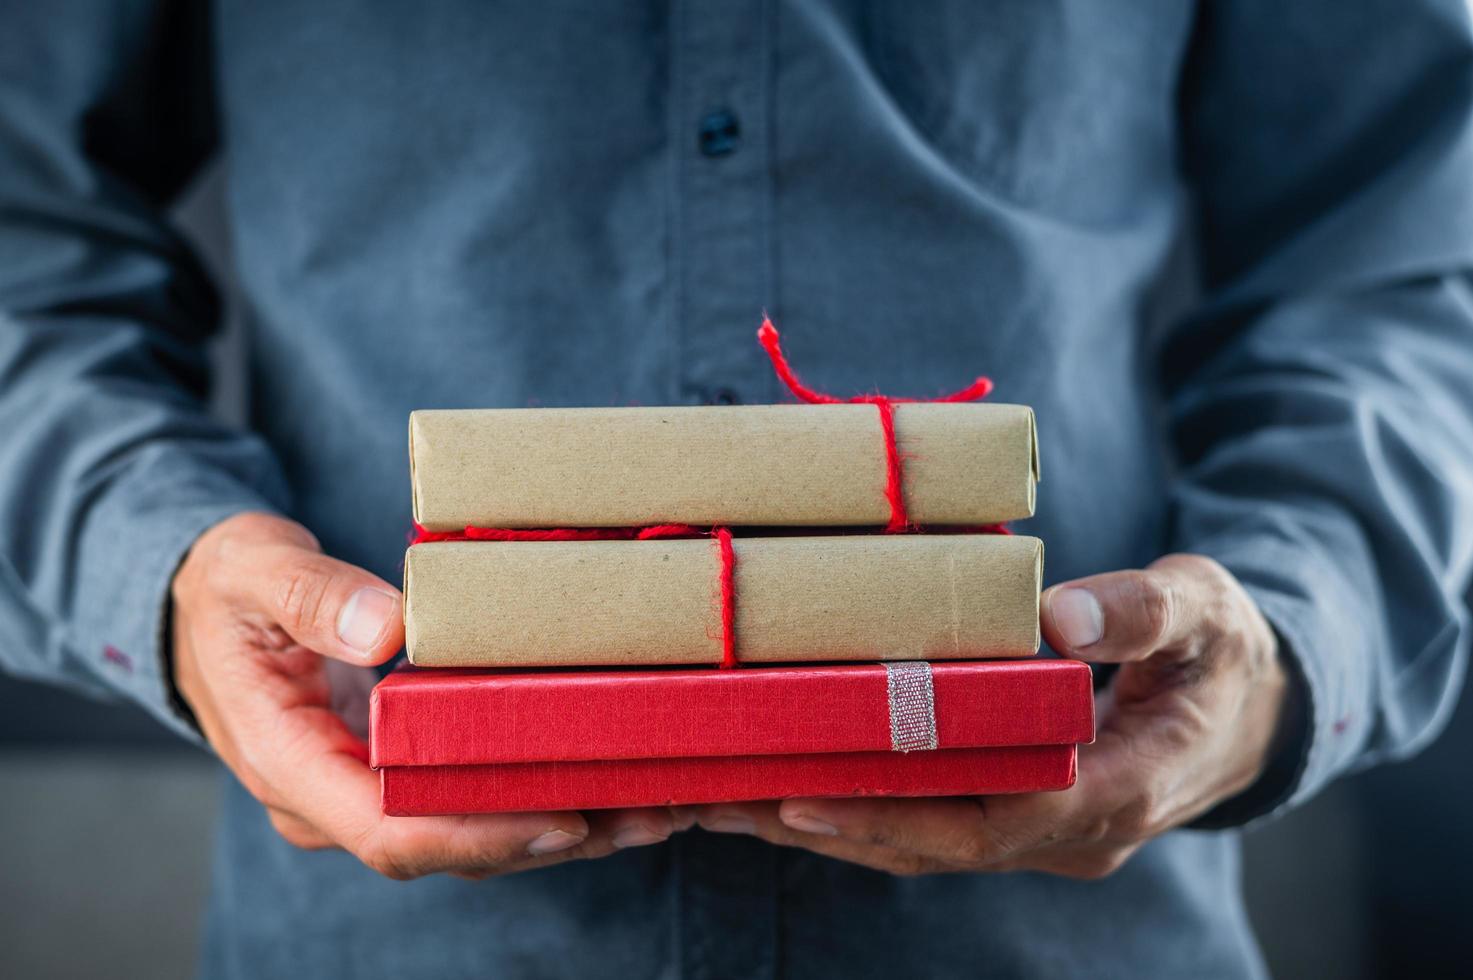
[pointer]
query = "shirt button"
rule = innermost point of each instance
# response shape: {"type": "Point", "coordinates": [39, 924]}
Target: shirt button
{"type": "Point", "coordinates": [701, 395]}
{"type": "Point", "coordinates": [719, 133]}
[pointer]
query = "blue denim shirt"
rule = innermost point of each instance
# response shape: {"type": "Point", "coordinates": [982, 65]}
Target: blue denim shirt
{"type": "Point", "coordinates": [1221, 247]}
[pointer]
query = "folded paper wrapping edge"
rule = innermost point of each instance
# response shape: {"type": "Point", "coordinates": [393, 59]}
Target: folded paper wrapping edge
{"type": "Point", "coordinates": [463, 717]}
{"type": "Point", "coordinates": [415, 507]}
{"type": "Point", "coordinates": [797, 598]}
{"type": "Point", "coordinates": [596, 784]}
{"type": "Point", "coordinates": [1033, 462]}
{"type": "Point", "coordinates": [794, 465]}
{"type": "Point", "coordinates": [407, 605]}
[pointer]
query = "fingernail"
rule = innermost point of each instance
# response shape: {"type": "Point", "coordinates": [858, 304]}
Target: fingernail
{"type": "Point", "coordinates": [810, 824]}
{"type": "Point", "coordinates": [635, 835]}
{"type": "Point", "coordinates": [1078, 616]}
{"type": "Point", "coordinates": [731, 823]}
{"type": "Point", "coordinates": [364, 617]}
{"type": "Point", "coordinates": [552, 842]}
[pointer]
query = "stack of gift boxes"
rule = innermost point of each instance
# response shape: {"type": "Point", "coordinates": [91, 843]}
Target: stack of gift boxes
{"type": "Point", "coordinates": [659, 606]}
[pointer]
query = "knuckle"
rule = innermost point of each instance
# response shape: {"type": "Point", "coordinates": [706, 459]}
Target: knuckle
{"type": "Point", "coordinates": [299, 594]}
{"type": "Point", "coordinates": [1155, 605]}
{"type": "Point", "coordinates": [1197, 566]}
{"type": "Point", "coordinates": [589, 850]}
{"type": "Point", "coordinates": [1189, 726]}
{"type": "Point", "coordinates": [291, 831]}
{"type": "Point", "coordinates": [881, 834]}
{"type": "Point", "coordinates": [495, 859]}
{"type": "Point", "coordinates": [1100, 865]}
{"type": "Point", "coordinates": [379, 853]}
{"type": "Point", "coordinates": [987, 844]}
{"type": "Point", "coordinates": [974, 849]}
{"type": "Point", "coordinates": [1132, 824]}
{"type": "Point", "coordinates": [386, 863]}
{"type": "Point", "coordinates": [1141, 819]}
{"type": "Point", "coordinates": [1094, 831]}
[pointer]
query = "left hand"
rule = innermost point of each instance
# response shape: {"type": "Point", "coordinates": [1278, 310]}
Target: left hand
{"type": "Point", "coordinates": [1186, 723]}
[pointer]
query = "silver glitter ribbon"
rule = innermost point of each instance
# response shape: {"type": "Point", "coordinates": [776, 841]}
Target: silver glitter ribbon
{"type": "Point", "coordinates": [912, 706]}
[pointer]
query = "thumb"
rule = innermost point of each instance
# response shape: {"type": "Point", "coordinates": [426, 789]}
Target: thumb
{"type": "Point", "coordinates": [330, 606]}
{"type": "Point", "coordinates": [1127, 615]}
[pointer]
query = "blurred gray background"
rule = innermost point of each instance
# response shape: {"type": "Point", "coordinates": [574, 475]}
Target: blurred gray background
{"type": "Point", "coordinates": [106, 822]}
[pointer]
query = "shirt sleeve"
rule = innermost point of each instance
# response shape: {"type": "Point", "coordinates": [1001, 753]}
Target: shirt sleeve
{"type": "Point", "coordinates": [110, 465]}
{"type": "Point", "coordinates": [1321, 396]}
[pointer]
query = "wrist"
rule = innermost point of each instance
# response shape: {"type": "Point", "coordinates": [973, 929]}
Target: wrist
{"type": "Point", "coordinates": [198, 580]}
{"type": "Point", "coordinates": [179, 703]}
{"type": "Point", "coordinates": [1283, 759]}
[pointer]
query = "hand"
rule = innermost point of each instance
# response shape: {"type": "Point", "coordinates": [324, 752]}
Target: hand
{"type": "Point", "coordinates": [1187, 722]}
{"type": "Point", "coordinates": [257, 608]}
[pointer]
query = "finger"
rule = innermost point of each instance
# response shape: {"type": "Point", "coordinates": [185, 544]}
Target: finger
{"type": "Point", "coordinates": [296, 831]}
{"type": "Point", "coordinates": [350, 691]}
{"type": "Point", "coordinates": [761, 820]}
{"type": "Point", "coordinates": [957, 832]}
{"type": "Point", "coordinates": [987, 832]}
{"type": "Point", "coordinates": [633, 827]}
{"type": "Point", "coordinates": [609, 831]}
{"type": "Point", "coordinates": [1085, 862]}
{"type": "Point", "coordinates": [327, 605]}
{"type": "Point", "coordinates": [1128, 615]}
{"type": "Point", "coordinates": [950, 830]}
{"type": "Point", "coordinates": [326, 784]}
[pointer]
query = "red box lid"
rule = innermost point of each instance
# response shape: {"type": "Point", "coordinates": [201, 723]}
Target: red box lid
{"type": "Point", "coordinates": [437, 717]}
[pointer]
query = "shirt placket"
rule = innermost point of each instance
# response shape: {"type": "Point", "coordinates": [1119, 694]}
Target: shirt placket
{"type": "Point", "coordinates": [721, 251]}
{"type": "Point", "coordinates": [726, 889]}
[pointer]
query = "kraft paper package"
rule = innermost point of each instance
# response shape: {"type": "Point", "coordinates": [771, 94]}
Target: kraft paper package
{"type": "Point", "coordinates": [757, 465]}
{"type": "Point", "coordinates": [485, 741]}
{"type": "Point", "coordinates": [808, 598]}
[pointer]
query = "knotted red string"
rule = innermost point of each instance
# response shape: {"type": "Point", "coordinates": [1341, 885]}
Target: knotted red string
{"type": "Point", "coordinates": [767, 336]}
{"type": "Point", "coordinates": [771, 342]}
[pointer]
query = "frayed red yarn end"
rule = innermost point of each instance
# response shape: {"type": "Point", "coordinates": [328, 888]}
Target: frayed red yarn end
{"type": "Point", "coordinates": [771, 342]}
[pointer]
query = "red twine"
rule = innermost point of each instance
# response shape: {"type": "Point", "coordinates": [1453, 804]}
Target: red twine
{"type": "Point", "coordinates": [771, 342]}
{"type": "Point", "coordinates": [654, 531]}
{"type": "Point", "coordinates": [768, 337]}
{"type": "Point", "coordinates": [728, 597]}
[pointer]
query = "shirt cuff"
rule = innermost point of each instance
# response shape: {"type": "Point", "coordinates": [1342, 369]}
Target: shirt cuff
{"type": "Point", "coordinates": [1322, 642]}
{"type": "Point", "coordinates": [128, 550]}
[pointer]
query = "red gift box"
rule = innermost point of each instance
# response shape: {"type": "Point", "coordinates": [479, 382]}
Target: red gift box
{"type": "Point", "coordinates": [483, 741]}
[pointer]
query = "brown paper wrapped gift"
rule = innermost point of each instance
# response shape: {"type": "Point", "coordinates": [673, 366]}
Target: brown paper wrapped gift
{"type": "Point", "coordinates": [789, 465]}
{"type": "Point", "coordinates": [840, 597]}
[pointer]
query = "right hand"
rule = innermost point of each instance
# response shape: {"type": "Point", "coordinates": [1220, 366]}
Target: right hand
{"type": "Point", "coordinates": [257, 607]}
